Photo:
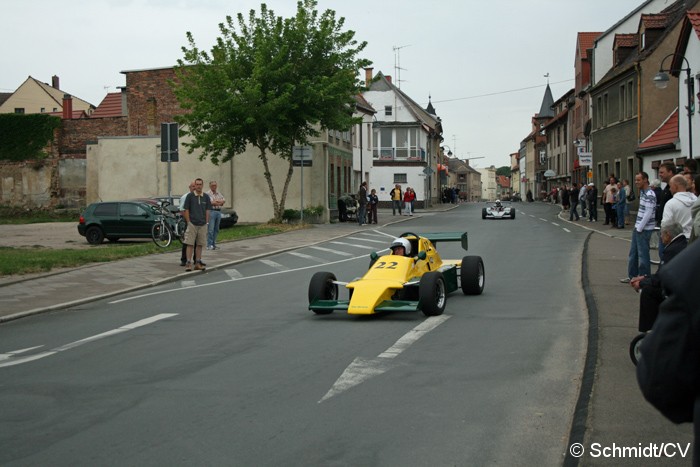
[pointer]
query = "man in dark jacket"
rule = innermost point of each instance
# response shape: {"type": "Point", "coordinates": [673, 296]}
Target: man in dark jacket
{"type": "Point", "coordinates": [650, 286]}
{"type": "Point", "coordinates": [573, 197]}
{"type": "Point", "coordinates": [668, 372]}
{"type": "Point", "coordinates": [592, 198]}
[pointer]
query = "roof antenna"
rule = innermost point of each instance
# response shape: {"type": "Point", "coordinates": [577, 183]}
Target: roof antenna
{"type": "Point", "coordinates": [397, 62]}
{"type": "Point", "coordinates": [547, 76]}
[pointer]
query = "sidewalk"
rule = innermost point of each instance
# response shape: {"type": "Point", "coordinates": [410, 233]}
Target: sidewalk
{"type": "Point", "coordinates": [611, 407]}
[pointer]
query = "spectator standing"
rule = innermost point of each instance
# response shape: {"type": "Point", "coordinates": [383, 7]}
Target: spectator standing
{"type": "Point", "coordinates": [396, 199]}
{"type": "Point", "coordinates": [592, 199]}
{"type": "Point", "coordinates": [582, 198]}
{"type": "Point", "coordinates": [621, 205]}
{"type": "Point", "coordinates": [608, 200]}
{"type": "Point", "coordinates": [217, 202]}
{"type": "Point", "coordinates": [677, 209]}
{"type": "Point", "coordinates": [573, 196]}
{"type": "Point", "coordinates": [638, 262]}
{"type": "Point", "coordinates": [373, 202]}
{"type": "Point", "coordinates": [408, 198]}
{"type": "Point", "coordinates": [690, 166]}
{"type": "Point", "coordinates": [197, 211]}
{"type": "Point", "coordinates": [362, 200]}
{"type": "Point", "coordinates": [183, 256]}
{"type": "Point", "coordinates": [565, 202]}
{"type": "Point", "coordinates": [695, 213]}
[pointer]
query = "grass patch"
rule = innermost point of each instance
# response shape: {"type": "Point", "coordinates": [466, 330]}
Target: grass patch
{"type": "Point", "coordinates": [32, 260]}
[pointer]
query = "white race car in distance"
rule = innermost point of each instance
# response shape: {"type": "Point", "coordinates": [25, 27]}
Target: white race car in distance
{"type": "Point", "coordinates": [498, 211]}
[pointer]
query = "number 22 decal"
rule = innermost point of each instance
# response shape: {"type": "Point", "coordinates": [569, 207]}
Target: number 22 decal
{"type": "Point", "coordinates": [383, 265]}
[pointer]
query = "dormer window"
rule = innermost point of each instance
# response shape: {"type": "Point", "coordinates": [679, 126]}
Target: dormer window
{"type": "Point", "coordinates": [388, 110]}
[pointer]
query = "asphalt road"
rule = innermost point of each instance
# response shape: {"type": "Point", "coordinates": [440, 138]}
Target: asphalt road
{"type": "Point", "coordinates": [230, 368]}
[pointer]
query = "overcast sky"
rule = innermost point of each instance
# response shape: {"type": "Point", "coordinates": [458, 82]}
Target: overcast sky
{"type": "Point", "coordinates": [483, 62]}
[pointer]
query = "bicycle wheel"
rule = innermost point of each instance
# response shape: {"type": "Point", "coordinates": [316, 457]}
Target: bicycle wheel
{"type": "Point", "coordinates": [181, 227]}
{"type": "Point", "coordinates": [654, 241]}
{"type": "Point", "coordinates": [161, 234]}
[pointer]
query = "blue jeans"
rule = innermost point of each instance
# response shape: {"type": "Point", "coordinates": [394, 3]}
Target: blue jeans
{"type": "Point", "coordinates": [620, 215]}
{"type": "Point", "coordinates": [214, 223]}
{"type": "Point", "coordinates": [638, 263]}
{"type": "Point", "coordinates": [362, 214]}
{"type": "Point", "coordinates": [396, 205]}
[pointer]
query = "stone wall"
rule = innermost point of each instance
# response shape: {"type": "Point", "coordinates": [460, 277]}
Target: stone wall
{"type": "Point", "coordinates": [150, 100]}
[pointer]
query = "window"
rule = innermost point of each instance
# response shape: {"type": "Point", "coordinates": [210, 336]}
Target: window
{"type": "Point", "coordinates": [43, 109]}
{"type": "Point", "coordinates": [130, 209]}
{"type": "Point", "coordinates": [400, 178]}
{"type": "Point", "coordinates": [631, 101]}
{"type": "Point", "coordinates": [388, 110]}
{"type": "Point", "coordinates": [106, 210]}
{"type": "Point", "coordinates": [19, 110]}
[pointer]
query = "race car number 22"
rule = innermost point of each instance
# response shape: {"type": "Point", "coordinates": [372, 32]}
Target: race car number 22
{"type": "Point", "coordinates": [383, 265]}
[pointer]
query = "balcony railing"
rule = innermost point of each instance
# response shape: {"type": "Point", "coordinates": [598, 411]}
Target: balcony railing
{"type": "Point", "coordinates": [405, 154]}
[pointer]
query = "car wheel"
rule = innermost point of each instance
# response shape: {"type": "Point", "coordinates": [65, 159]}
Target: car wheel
{"type": "Point", "coordinates": [113, 239]}
{"type": "Point", "coordinates": [472, 275]}
{"type": "Point", "coordinates": [483, 213]}
{"type": "Point", "coordinates": [322, 287]}
{"type": "Point", "coordinates": [94, 235]}
{"type": "Point", "coordinates": [636, 346]}
{"type": "Point", "coordinates": [432, 297]}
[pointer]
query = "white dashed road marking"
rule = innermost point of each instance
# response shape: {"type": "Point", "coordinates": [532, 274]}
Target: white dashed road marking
{"type": "Point", "coordinates": [328, 250]}
{"type": "Point", "coordinates": [274, 265]}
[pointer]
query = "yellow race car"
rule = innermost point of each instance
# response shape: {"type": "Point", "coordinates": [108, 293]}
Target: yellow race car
{"type": "Point", "coordinates": [412, 277]}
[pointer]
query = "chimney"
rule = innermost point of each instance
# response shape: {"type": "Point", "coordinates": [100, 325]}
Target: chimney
{"type": "Point", "coordinates": [368, 76]}
{"type": "Point", "coordinates": [54, 82]}
{"type": "Point", "coordinates": [67, 106]}
{"type": "Point", "coordinates": [388, 78]}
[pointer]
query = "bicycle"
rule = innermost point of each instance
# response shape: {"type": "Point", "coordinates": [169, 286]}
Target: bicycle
{"type": "Point", "coordinates": [168, 225]}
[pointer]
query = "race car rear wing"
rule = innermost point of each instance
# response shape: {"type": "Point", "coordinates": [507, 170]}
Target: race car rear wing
{"type": "Point", "coordinates": [447, 237]}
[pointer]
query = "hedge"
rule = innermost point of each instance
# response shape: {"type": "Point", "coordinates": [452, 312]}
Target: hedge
{"type": "Point", "coordinates": [24, 137]}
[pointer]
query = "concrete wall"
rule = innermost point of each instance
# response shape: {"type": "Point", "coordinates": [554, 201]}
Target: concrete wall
{"type": "Point", "coordinates": [130, 167]}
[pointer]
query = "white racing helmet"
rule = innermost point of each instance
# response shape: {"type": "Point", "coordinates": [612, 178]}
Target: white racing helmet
{"type": "Point", "coordinates": [498, 202]}
{"type": "Point", "coordinates": [401, 242]}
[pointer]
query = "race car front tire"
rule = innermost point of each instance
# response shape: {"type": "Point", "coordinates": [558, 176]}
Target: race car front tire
{"type": "Point", "coordinates": [472, 275]}
{"type": "Point", "coordinates": [321, 287]}
{"type": "Point", "coordinates": [483, 213]}
{"type": "Point", "coordinates": [512, 213]}
{"type": "Point", "coordinates": [432, 296]}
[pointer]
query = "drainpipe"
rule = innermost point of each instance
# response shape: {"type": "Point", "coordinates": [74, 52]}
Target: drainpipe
{"type": "Point", "coordinates": [639, 114]}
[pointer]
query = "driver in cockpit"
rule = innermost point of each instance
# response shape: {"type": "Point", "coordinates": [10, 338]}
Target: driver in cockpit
{"type": "Point", "coordinates": [400, 247]}
{"type": "Point", "coordinates": [499, 206]}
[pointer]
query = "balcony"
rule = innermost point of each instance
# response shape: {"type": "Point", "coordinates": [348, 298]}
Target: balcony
{"type": "Point", "coordinates": [404, 154]}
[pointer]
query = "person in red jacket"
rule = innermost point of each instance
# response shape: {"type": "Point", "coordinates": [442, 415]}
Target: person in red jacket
{"type": "Point", "coordinates": [408, 197]}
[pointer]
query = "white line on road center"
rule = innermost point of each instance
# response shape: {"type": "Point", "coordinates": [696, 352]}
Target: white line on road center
{"type": "Point", "coordinates": [362, 369]}
{"type": "Point", "coordinates": [72, 345]}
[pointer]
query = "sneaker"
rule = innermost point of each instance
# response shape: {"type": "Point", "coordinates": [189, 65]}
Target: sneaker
{"type": "Point", "coordinates": [214, 247]}
{"type": "Point", "coordinates": [199, 267]}
{"type": "Point", "coordinates": [188, 267]}
{"type": "Point", "coordinates": [201, 262]}
{"type": "Point", "coordinates": [625, 280]}
{"type": "Point", "coordinates": [210, 247]}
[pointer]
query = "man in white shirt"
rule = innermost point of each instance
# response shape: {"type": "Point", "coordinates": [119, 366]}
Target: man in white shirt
{"type": "Point", "coordinates": [217, 202]}
{"type": "Point", "coordinates": [677, 209]}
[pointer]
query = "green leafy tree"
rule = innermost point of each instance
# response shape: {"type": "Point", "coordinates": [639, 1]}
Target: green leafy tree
{"type": "Point", "coordinates": [505, 170]}
{"type": "Point", "coordinates": [269, 82]}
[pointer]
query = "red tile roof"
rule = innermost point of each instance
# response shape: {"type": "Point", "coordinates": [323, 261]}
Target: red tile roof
{"type": "Point", "coordinates": [655, 21]}
{"type": "Point", "coordinates": [76, 114]}
{"type": "Point", "coordinates": [626, 40]}
{"type": "Point", "coordinates": [665, 135]}
{"type": "Point", "coordinates": [585, 42]}
{"type": "Point", "coordinates": [503, 181]}
{"type": "Point", "coordinates": [111, 106]}
{"type": "Point", "coordinates": [694, 17]}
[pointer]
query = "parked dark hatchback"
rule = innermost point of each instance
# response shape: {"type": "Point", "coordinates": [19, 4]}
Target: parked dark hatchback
{"type": "Point", "coordinates": [118, 219]}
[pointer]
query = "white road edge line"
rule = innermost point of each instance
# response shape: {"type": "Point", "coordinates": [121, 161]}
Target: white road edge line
{"type": "Point", "coordinates": [361, 369]}
{"type": "Point", "coordinates": [125, 328]}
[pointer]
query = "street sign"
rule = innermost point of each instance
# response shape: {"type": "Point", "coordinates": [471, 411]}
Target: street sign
{"type": "Point", "coordinates": [169, 148]}
{"type": "Point", "coordinates": [585, 158]}
{"type": "Point", "coordinates": [302, 156]}
{"type": "Point", "coordinates": [590, 174]}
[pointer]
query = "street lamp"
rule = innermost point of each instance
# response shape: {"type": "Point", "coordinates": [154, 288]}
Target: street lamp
{"type": "Point", "coordinates": [661, 80]}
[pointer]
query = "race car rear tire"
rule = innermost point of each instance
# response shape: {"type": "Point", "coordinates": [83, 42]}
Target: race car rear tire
{"type": "Point", "coordinates": [483, 213]}
{"type": "Point", "coordinates": [321, 287]}
{"type": "Point", "coordinates": [432, 295]}
{"type": "Point", "coordinates": [472, 275]}
{"type": "Point", "coordinates": [512, 213]}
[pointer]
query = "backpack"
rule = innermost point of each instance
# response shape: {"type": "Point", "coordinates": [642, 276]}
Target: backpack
{"type": "Point", "coordinates": [631, 196]}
